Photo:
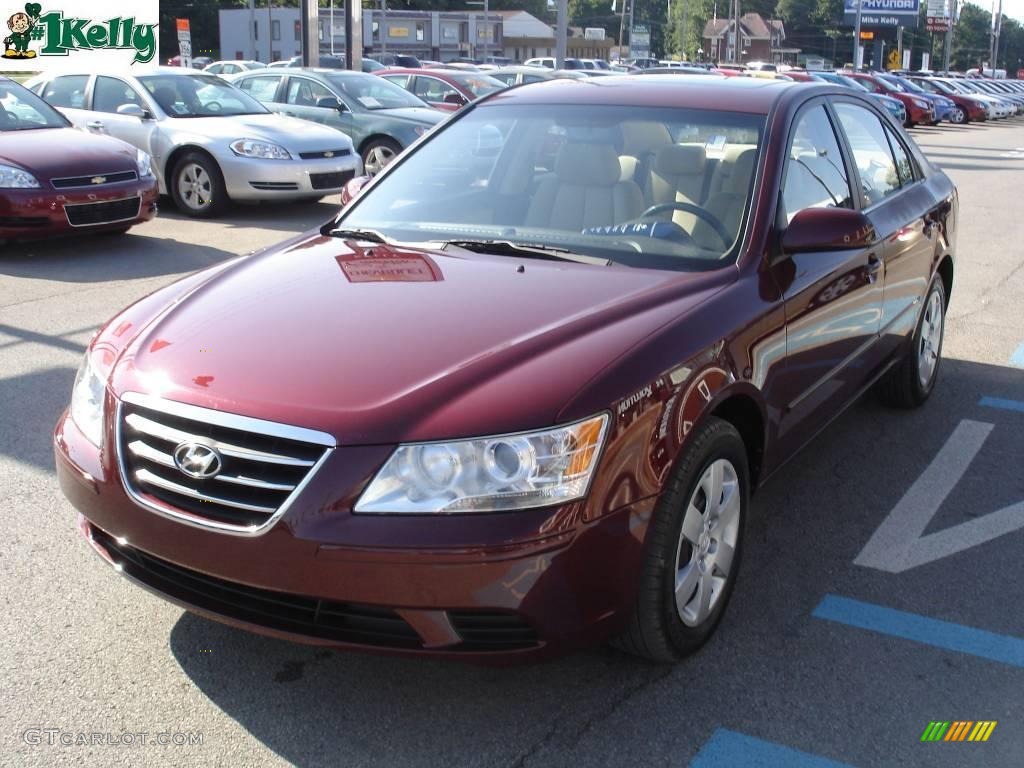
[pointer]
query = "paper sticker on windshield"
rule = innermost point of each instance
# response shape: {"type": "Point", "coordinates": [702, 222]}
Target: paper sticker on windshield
{"type": "Point", "coordinates": [369, 102]}
{"type": "Point", "coordinates": [716, 144]}
{"type": "Point", "coordinates": [658, 229]}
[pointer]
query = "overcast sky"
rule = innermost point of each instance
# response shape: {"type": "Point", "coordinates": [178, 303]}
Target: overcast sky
{"type": "Point", "coordinates": [1012, 8]}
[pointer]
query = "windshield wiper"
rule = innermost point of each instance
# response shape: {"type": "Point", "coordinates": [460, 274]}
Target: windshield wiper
{"type": "Point", "coordinates": [366, 235]}
{"type": "Point", "coordinates": [530, 250]}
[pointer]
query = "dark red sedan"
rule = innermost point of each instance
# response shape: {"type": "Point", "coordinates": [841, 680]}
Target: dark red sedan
{"type": "Point", "coordinates": [514, 399]}
{"type": "Point", "coordinates": [919, 111]}
{"type": "Point", "coordinates": [445, 89]}
{"type": "Point", "coordinates": [55, 180]}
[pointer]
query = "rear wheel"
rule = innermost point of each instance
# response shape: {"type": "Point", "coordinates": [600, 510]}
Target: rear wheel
{"type": "Point", "coordinates": [910, 383]}
{"type": "Point", "coordinates": [694, 548]}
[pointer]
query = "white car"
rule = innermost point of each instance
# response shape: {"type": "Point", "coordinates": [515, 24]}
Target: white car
{"type": "Point", "coordinates": [210, 142]}
{"type": "Point", "coordinates": [543, 61]}
{"type": "Point", "coordinates": [223, 68]}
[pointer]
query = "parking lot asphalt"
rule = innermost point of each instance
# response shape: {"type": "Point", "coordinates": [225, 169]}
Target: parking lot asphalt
{"type": "Point", "coordinates": [839, 647]}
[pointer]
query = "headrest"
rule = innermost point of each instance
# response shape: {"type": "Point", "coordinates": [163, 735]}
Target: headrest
{"type": "Point", "coordinates": [680, 160]}
{"type": "Point", "coordinates": [640, 137]}
{"type": "Point", "coordinates": [742, 170]}
{"type": "Point", "coordinates": [589, 165]}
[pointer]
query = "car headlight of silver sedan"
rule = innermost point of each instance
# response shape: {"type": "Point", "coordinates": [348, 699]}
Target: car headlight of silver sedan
{"type": "Point", "coordinates": [260, 150]}
{"type": "Point", "coordinates": [16, 178]}
{"type": "Point", "coordinates": [87, 397]}
{"type": "Point", "coordinates": [490, 474]}
{"type": "Point", "coordinates": [144, 163]}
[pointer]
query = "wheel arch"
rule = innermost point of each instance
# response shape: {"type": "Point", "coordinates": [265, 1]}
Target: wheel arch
{"type": "Point", "coordinates": [375, 137]}
{"type": "Point", "coordinates": [746, 414]}
{"type": "Point", "coordinates": [177, 152]}
{"type": "Point", "coordinates": [945, 271]}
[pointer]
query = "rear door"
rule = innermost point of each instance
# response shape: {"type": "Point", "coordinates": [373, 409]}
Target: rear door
{"type": "Point", "coordinates": [833, 298]}
{"type": "Point", "coordinates": [905, 211]}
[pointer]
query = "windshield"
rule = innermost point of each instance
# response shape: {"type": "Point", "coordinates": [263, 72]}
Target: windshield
{"type": "Point", "coordinates": [660, 188]}
{"type": "Point", "coordinates": [372, 92]}
{"type": "Point", "coordinates": [480, 85]}
{"type": "Point", "coordinates": [22, 110]}
{"type": "Point", "coordinates": [910, 85]}
{"type": "Point", "coordinates": [199, 96]}
{"type": "Point", "coordinates": [849, 82]}
{"type": "Point", "coordinates": [893, 83]}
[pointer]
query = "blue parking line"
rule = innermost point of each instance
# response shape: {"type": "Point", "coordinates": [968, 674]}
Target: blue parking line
{"type": "Point", "coordinates": [729, 749]}
{"type": "Point", "coordinates": [1017, 358]}
{"type": "Point", "coordinates": [921, 629]}
{"type": "Point", "coordinates": [1003, 403]}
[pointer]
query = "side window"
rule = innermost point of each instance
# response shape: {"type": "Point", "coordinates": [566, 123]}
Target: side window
{"type": "Point", "coordinates": [904, 164]}
{"type": "Point", "coordinates": [215, 69]}
{"type": "Point", "coordinates": [815, 174]}
{"type": "Point", "coordinates": [402, 81]}
{"type": "Point", "coordinates": [66, 91]}
{"type": "Point", "coordinates": [306, 93]}
{"type": "Point", "coordinates": [871, 152]}
{"type": "Point", "coordinates": [429, 89]}
{"type": "Point", "coordinates": [261, 88]}
{"type": "Point", "coordinates": [109, 93]}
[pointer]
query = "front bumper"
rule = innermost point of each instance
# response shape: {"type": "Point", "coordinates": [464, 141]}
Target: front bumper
{"type": "Point", "coordinates": [420, 586]}
{"type": "Point", "coordinates": [39, 213]}
{"type": "Point", "coordinates": [249, 179]}
{"type": "Point", "coordinates": [918, 115]}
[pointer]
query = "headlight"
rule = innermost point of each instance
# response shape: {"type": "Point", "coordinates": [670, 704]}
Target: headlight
{"type": "Point", "coordinates": [15, 178]}
{"type": "Point", "coordinates": [144, 163]}
{"type": "Point", "coordinates": [87, 402]}
{"type": "Point", "coordinates": [261, 150]}
{"type": "Point", "coordinates": [490, 474]}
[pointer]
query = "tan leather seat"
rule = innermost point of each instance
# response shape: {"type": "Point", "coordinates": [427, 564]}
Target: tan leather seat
{"type": "Point", "coordinates": [584, 191]}
{"type": "Point", "coordinates": [677, 176]}
{"type": "Point", "coordinates": [641, 141]}
{"type": "Point", "coordinates": [727, 205]}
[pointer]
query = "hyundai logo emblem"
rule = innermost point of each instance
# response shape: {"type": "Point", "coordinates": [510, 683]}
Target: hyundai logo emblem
{"type": "Point", "coordinates": [197, 460]}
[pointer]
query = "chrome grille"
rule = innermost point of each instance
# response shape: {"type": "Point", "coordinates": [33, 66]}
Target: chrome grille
{"type": "Point", "coordinates": [263, 465]}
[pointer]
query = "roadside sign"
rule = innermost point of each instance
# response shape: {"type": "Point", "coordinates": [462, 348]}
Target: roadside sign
{"type": "Point", "coordinates": [867, 35]}
{"type": "Point", "coordinates": [184, 41]}
{"type": "Point", "coordinates": [640, 42]}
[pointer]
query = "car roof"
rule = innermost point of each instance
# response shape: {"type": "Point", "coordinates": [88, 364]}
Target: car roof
{"type": "Point", "coordinates": [735, 94]}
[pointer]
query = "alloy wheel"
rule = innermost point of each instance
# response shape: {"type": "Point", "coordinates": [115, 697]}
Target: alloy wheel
{"type": "Point", "coordinates": [959, 116]}
{"type": "Point", "coordinates": [195, 187]}
{"type": "Point", "coordinates": [707, 542]}
{"type": "Point", "coordinates": [930, 342]}
{"type": "Point", "coordinates": [376, 159]}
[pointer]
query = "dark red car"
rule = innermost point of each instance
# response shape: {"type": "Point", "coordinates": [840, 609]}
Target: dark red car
{"type": "Point", "coordinates": [968, 109]}
{"type": "Point", "coordinates": [55, 180]}
{"type": "Point", "coordinates": [514, 399]}
{"type": "Point", "coordinates": [919, 111]}
{"type": "Point", "coordinates": [445, 89]}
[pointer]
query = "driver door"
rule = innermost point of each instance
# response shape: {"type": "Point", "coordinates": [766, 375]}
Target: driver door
{"type": "Point", "coordinates": [833, 298]}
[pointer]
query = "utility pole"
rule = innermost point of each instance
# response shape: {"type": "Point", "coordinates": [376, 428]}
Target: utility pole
{"type": "Point", "coordinates": [682, 31]}
{"type": "Point", "coordinates": [948, 49]}
{"type": "Point", "coordinates": [309, 31]}
{"type": "Point", "coordinates": [254, 55]}
{"type": "Point", "coordinates": [562, 34]}
{"type": "Point", "coordinates": [856, 37]}
{"type": "Point", "coordinates": [383, 27]}
{"type": "Point", "coordinates": [622, 25]}
{"type": "Point", "coordinates": [270, 32]}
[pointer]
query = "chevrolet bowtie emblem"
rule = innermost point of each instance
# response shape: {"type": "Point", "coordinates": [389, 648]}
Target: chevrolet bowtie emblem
{"type": "Point", "coordinates": [328, 154]}
{"type": "Point", "coordinates": [98, 179]}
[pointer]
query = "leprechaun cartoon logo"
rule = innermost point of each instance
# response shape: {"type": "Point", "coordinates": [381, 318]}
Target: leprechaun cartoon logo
{"type": "Point", "coordinates": [21, 26]}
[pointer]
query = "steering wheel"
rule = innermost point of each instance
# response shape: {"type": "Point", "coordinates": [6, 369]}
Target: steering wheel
{"type": "Point", "coordinates": [696, 210]}
{"type": "Point", "coordinates": [214, 106]}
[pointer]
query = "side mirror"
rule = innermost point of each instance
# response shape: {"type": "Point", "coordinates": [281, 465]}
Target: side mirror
{"type": "Point", "coordinates": [828, 229]}
{"type": "Point", "coordinates": [329, 102]}
{"type": "Point", "coordinates": [454, 98]}
{"type": "Point", "coordinates": [133, 110]}
{"type": "Point", "coordinates": [351, 190]}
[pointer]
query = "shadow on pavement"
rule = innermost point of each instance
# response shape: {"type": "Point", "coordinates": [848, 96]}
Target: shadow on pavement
{"type": "Point", "coordinates": [318, 707]}
{"type": "Point", "coordinates": [26, 429]}
{"type": "Point", "coordinates": [288, 218]}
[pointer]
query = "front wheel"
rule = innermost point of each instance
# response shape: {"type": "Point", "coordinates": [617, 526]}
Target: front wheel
{"type": "Point", "coordinates": [694, 548]}
{"type": "Point", "coordinates": [377, 154]}
{"type": "Point", "coordinates": [910, 383]}
{"type": "Point", "coordinates": [197, 186]}
{"type": "Point", "coordinates": [959, 116]}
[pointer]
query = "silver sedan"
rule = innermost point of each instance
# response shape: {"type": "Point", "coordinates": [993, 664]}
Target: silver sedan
{"type": "Point", "coordinates": [210, 142]}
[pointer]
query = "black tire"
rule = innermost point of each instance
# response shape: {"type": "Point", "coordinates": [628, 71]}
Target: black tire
{"type": "Point", "coordinates": [959, 116]}
{"type": "Point", "coordinates": [383, 146]}
{"type": "Point", "coordinates": [656, 630]}
{"type": "Point", "coordinates": [213, 196]}
{"type": "Point", "coordinates": [903, 387]}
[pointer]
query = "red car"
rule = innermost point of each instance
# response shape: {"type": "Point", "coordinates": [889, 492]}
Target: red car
{"type": "Point", "coordinates": [55, 180]}
{"type": "Point", "coordinates": [445, 89]}
{"type": "Point", "coordinates": [514, 399]}
{"type": "Point", "coordinates": [919, 111]}
{"type": "Point", "coordinates": [968, 109]}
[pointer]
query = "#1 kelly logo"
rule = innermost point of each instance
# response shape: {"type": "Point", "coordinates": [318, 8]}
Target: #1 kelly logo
{"type": "Point", "coordinates": [57, 35]}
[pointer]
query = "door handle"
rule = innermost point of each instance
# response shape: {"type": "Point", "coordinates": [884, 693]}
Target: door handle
{"type": "Point", "coordinates": [95, 125]}
{"type": "Point", "coordinates": [873, 268]}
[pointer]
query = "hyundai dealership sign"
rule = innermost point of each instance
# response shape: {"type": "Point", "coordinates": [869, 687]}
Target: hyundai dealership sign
{"type": "Point", "coordinates": [882, 13]}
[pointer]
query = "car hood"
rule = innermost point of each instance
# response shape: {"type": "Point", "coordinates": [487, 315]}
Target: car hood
{"type": "Point", "coordinates": [423, 115]}
{"type": "Point", "coordinates": [382, 345]}
{"type": "Point", "coordinates": [50, 153]}
{"type": "Point", "coordinates": [290, 132]}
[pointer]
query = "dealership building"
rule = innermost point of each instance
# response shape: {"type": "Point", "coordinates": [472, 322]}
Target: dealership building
{"type": "Point", "coordinates": [274, 34]}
